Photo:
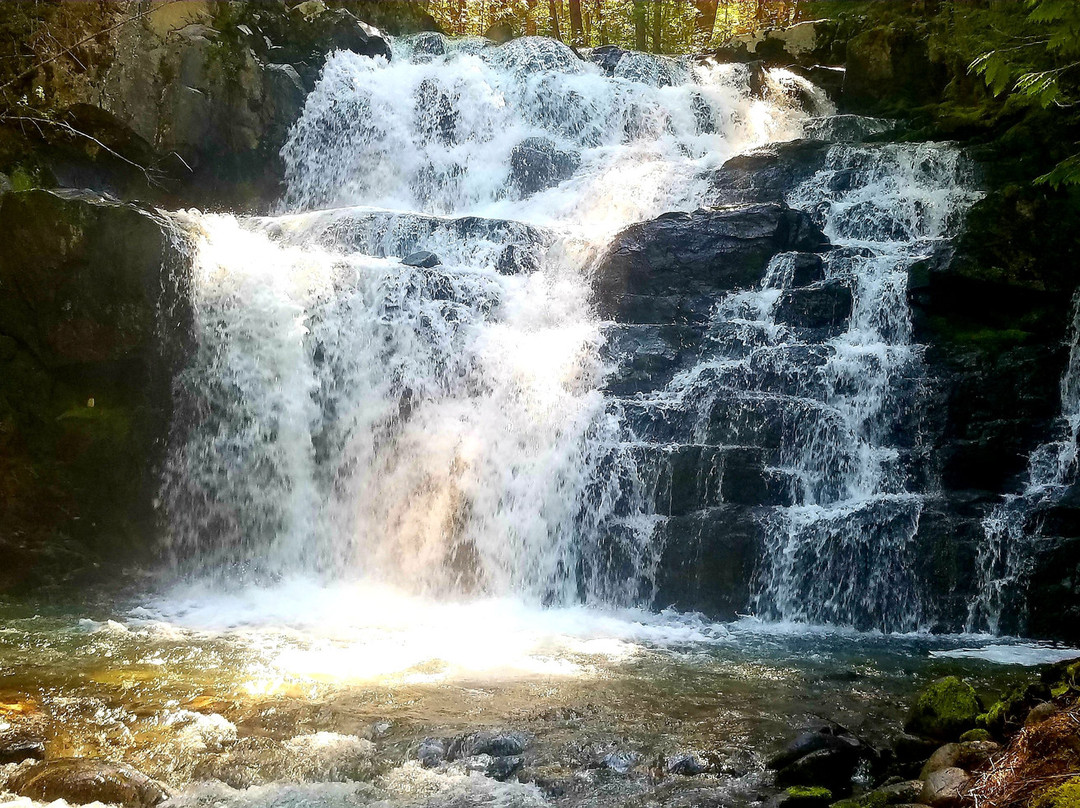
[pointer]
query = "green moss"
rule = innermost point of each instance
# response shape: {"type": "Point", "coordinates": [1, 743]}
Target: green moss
{"type": "Point", "coordinates": [1066, 795]}
{"type": "Point", "coordinates": [977, 734]}
{"type": "Point", "coordinates": [809, 793]}
{"type": "Point", "coordinates": [944, 710]}
{"type": "Point", "coordinates": [22, 180]}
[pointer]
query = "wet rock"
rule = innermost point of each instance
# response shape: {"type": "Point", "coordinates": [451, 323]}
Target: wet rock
{"type": "Point", "coordinates": [831, 768]}
{"type": "Point", "coordinates": [687, 764]}
{"type": "Point", "coordinates": [646, 357]}
{"type": "Point", "coordinates": [822, 306]}
{"type": "Point", "coordinates": [671, 269]}
{"type": "Point", "coordinates": [768, 174]}
{"type": "Point", "coordinates": [944, 710]}
{"type": "Point", "coordinates": [504, 767]}
{"type": "Point", "coordinates": [619, 762]}
{"type": "Point", "coordinates": [432, 752]}
{"type": "Point", "coordinates": [966, 755]}
{"type": "Point", "coordinates": [422, 259]}
{"type": "Point", "coordinates": [606, 57]}
{"type": "Point", "coordinates": [708, 560]}
{"type": "Point", "coordinates": [516, 260]}
{"type": "Point", "coordinates": [944, 788]}
{"type": "Point", "coordinates": [487, 742]}
{"type": "Point", "coordinates": [976, 735]}
{"type": "Point", "coordinates": [538, 163]}
{"type": "Point", "coordinates": [827, 736]}
{"type": "Point", "coordinates": [85, 282]}
{"type": "Point", "coordinates": [83, 780]}
{"type": "Point", "coordinates": [21, 743]}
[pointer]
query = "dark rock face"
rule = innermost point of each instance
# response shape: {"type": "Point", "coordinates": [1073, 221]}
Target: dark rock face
{"type": "Point", "coordinates": [670, 269]}
{"type": "Point", "coordinates": [821, 306]}
{"type": "Point", "coordinates": [537, 164]}
{"type": "Point", "coordinates": [890, 63]}
{"type": "Point", "coordinates": [825, 756]}
{"type": "Point", "coordinates": [606, 57]}
{"type": "Point", "coordinates": [85, 383]}
{"type": "Point", "coordinates": [83, 780]}
{"type": "Point", "coordinates": [768, 173]}
{"type": "Point", "coordinates": [993, 314]}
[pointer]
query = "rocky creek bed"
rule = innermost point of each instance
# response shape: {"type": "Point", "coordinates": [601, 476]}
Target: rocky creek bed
{"type": "Point", "coordinates": [519, 707]}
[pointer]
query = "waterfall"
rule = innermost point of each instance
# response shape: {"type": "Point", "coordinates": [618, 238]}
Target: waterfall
{"type": "Point", "coordinates": [438, 427]}
{"type": "Point", "coordinates": [1012, 528]}
{"type": "Point", "coordinates": [834, 407]}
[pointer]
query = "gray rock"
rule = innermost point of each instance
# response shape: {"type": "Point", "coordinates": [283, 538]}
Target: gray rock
{"type": "Point", "coordinates": [538, 163]}
{"type": "Point", "coordinates": [687, 764]}
{"type": "Point", "coordinates": [422, 259]}
{"type": "Point", "coordinates": [431, 753]}
{"type": "Point", "coordinates": [965, 755]}
{"type": "Point", "coordinates": [944, 788]}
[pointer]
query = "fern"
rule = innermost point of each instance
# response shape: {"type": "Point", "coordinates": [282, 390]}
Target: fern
{"type": "Point", "coordinates": [1067, 172]}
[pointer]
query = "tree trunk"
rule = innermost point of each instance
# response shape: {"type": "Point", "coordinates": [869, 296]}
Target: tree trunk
{"type": "Point", "coordinates": [530, 18]}
{"type": "Point", "coordinates": [640, 25]}
{"type": "Point", "coordinates": [554, 20]}
{"type": "Point", "coordinates": [576, 27]}
{"type": "Point", "coordinates": [599, 23]}
{"type": "Point", "coordinates": [657, 27]}
{"type": "Point", "coordinates": [705, 21]}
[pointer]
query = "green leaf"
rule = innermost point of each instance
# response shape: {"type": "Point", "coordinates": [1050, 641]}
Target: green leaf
{"type": "Point", "coordinates": [1067, 172]}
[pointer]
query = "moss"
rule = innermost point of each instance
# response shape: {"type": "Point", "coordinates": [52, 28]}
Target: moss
{"type": "Point", "coordinates": [944, 710]}
{"type": "Point", "coordinates": [809, 793]}
{"type": "Point", "coordinates": [1066, 795]}
{"type": "Point", "coordinates": [977, 734]}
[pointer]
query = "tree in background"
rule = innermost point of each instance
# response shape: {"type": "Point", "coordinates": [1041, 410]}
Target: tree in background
{"type": "Point", "coordinates": [1040, 65]}
{"type": "Point", "coordinates": [661, 26]}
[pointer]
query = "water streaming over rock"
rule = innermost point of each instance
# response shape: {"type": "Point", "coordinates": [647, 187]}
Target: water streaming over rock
{"type": "Point", "coordinates": [1014, 526]}
{"type": "Point", "coordinates": [443, 428]}
{"type": "Point", "coordinates": [437, 428]}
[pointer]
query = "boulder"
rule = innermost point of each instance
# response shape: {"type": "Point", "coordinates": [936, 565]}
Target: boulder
{"type": "Point", "coordinates": [83, 780]}
{"type": "Point", "coordinates": [538, 163]}
{"type": "Point", "coordinates": [686, 764]}
{"type": "Point", "coordinates": [606, 57]}
{"type": "Point", "coordinates": [944, 788]}
{"type": "Point", "coordinates": [822, 306]}
{"type": "Point", "coordinates": [770, 173]}
{"type": "Point", "coordinates": [832, 768]}
{"type": "Point", "coordinates": [487, 742]}
{"type": "Point", "coordinates": [431, 752]}
{"type": "Point", "coordinates": [965, 755]}
{"type": "Point", "coordinates": [827, 736]}
{"type": "Point", "coordinates": [21, 743]}
{"type": "Point", "coordinates": [85, 285]}
{"type": "Point", "coordinates": [905, 792]}
{"type": "Point", "coordinates": [422, 259]}
{"type": "Point", "coordinates": [671, 269]}
{"type": "Point", "coordinates": [946, 708]}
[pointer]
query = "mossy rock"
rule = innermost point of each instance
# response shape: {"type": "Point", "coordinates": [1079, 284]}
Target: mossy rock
{"type": "Point", "coordinates": [1008, 713]}
{"type": "Point", "coordinates": [803, 797]}
{"type": "Point", "coordinates": [1066, 795]}
{"type": "Point", "coordinates": [977, 734]}
{"type": "Point", "coordinates": [947, 708]}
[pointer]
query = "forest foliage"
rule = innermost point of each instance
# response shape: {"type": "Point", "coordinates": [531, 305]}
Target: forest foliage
{"type": "Point", "coordinates": [659, 26]}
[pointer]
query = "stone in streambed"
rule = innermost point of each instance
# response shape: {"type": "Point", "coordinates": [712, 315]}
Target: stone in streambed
{"type": "Point", "coordinates": [431, 753]}
{"type": "Point", "coordinates": [21, 743]}
{"type": "Point", "coordinates": [947, 708]}
{"type": "Point", "coordinates": [905, 792]}
{"type": "Point", "coordinates": [84, 780]}
{"type": "Point", "coordinates": [967, 755]}
{"type": "Point", "coordinates": [825, 305]}
{"type": "Point", "coordinates": [830, 768]}
{"type": "Point", "coordinates": [537, 164]}
{"type": "Point", "coordinates": [487, 742]}
{"type": "Point", "coordinates": [944, 788]}
{"type": "Point", "coordinates": [686, 764]}
{"type": "Point", "coordinates": [801, 797]}
{"type": "Point", "coordinates": [828, 736]}
{"type": "Point", "coordinates": [422, 259]}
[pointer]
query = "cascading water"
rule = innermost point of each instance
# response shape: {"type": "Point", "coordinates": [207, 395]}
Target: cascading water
{"type": "Point", "coordinates": [1013, 527]}
{"type": "Point", "coordinates": [438, 428]}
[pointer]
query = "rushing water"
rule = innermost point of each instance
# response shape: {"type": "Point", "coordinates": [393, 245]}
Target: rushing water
{"type": "Point", "coordinates": [1013, 527]}
{"type": "Point", "coordinates": [385, 481]}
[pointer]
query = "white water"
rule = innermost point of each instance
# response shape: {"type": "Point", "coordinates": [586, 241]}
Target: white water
{"type": "Point", "coordinates": [1012, 528]}
{"type": "Point", "coordinates": [436, 430]}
